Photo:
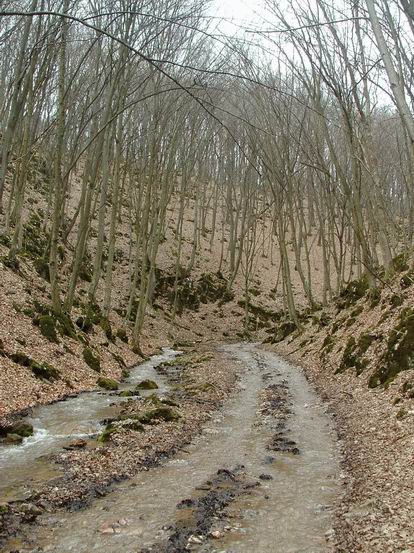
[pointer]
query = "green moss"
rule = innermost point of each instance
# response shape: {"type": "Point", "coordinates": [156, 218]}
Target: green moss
{"type": "Point", "coordinates": [35, 239]}
{"type": "Point", "coordinates": [44, 370]}
{"type": "Point", "coordinates": [11, 263]}
{"type": "Point", "coordinates": [92, 360]}
{"type": "Point", "coordinates": [84, 324]}
{"type": "Point", "coordinates": [21, 359]}
{"type": "Point", "coordinates": [5, 240]}
{"type": "Point", "coordinates": [147, 385]}
{"type": "Point", "coordinates": [47, 328]}
{"type": "Point", "coordinates": [119, 360]}
{"type": "Point", "coordinates": [353, 353]}
{"type": "Point", "coordinates": [352, 292]}
{"type": "Point", "coordinates": [21, 428]}
{"type": "Point", "coordinates": [128, 393]}
{"type": "Point", "coordinates": [4, 508]}
{"type": "Point", "coordinates": [122, 335]}
{"type": "Point", "coordinates": [374, 297]}
{"type": "Point", "coordinates": [400, 351]}
{"type": "Point", "coordinates": [42, 268]}
{"type": "Point", "coordinates": [407, 280]}
{"type": "Point", "coordinates": [357, 311]}
{"type": "Point", "coordinates": [159, 413]}
{"type": "Point", "coordinates": [107, 383]}
{"type": "Point", "coordinates": [399, 264]}
{"type": "Point", "coordinates": [134, 425]}
{"type": "Point", "coordinates": [106, 327]}
{"type": "Point", "coordinates": [105, 436]}
{"type": "Point", "coordinates": [350, 321]}
{"type": "Point", "coordinates": [401, 414]}
{"type": "Point", "coordinates": [396, 300]}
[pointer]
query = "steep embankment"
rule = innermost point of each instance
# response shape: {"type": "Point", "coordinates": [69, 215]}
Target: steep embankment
{"type": "Point", "coordinates": [360, 356]}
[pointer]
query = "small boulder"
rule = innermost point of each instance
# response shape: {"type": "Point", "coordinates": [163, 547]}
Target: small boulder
{"type": "Point", "coordinates": [21, 428]}
{"type": "Point", "coordinates": [13, 439]}
{"type": "Point", "coordinates": [107, 383]}
{"type": "Point", "coordinates": [76, 444]}
{"type": "Point", "coordinates": [147, 385]}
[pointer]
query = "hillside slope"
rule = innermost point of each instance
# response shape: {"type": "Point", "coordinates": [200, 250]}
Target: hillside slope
{"type": "Point", "coordinates": [359, 354]}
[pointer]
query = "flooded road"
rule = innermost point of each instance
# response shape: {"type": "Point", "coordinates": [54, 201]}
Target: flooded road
{"type": "Point", "coordinates": [289, 512]}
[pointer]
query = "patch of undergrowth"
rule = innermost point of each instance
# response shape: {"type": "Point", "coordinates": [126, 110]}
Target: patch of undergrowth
{"type": "Point", "coordinates": [400, 351]}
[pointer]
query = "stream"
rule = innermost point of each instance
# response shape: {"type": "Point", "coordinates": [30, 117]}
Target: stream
{"type": "Point", "coordinates": [24, 466]}
{"type": "Point", "coordinates": [290, 512]}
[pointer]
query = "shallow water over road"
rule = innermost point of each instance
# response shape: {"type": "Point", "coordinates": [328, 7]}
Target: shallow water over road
{"type": "Point", "coordinates": [288, 513]}
{"type": "Point", "coordinates": [23, 466]}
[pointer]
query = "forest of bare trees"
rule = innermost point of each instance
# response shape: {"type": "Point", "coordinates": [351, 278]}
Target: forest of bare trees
{"type": "Point", "coordinates": [305, 123]}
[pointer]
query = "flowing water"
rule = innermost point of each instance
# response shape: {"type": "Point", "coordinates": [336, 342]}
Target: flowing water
{"type": "Point", "coordinates": [24, 466]}
{"type": "Point", "coordinates": [288, 514]}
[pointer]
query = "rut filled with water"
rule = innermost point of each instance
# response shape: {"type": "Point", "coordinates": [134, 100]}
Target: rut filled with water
{"type": "Point", "coordinates": [282, 503]}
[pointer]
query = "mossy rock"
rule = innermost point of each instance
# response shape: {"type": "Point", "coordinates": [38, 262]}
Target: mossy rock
{"type": "Point", "coordinates": [105, 436]}
{"type": "Point", "coordinates": [365, 341]}
{"type": "Point", "coordinates": [92, 360]}
{"type": "Point", "coordinates": [159, 401]}
{"type": "Point", "coordinates": [106, 327]}
{"type": "Point", "coordinates": [407, 280]}
{"type": "Point", "coordinates": [42, 268]}
{"type": "Point", "coordinates": [353, 357]}
{"type": "Point", "coordinates": [283, 331]}
{"type": "Point", "coordinates": [400, 351]}
{"type": "Point", "coordinates": [107, 383]}
{"type": "Point", "coordinates": [135, 425]}
{"type": "Point", "coordinates": [21, 428]}
{"type": "Point", "coordinates": [21, 359]}
{"type": "Point", "coordinates": [399, 263]}
{"type": "Point", "coordinates": [121, 333]}
{"type": "Point", "coordinates": [11, 263]}
{"type": "Point", "coordinates": [374, 297]}
{"type": "Point", "coordinates": [328, 343]}
{"type": "Point", "coordinates": [166, 414]}
{"type": "Point", "coordinates": [119, 360]}
{"type": "Point", "coordinates": [396, 300]}
{"type": "Point", "coordinates": [352, 292]}
{"type": "Point", "coordinates": [65, 326]}
{"type": "Point", "coordinates": [128, 393]}
{"type": "Point", "coordinates": [5, 240]}
{"type": "Point", "coordinates": [147, 385]}
{"type": "Point", "coordinates": [84, 324]}
{"type": "Point", "coordinates": [44, 370]}
{"type": "Point", "coordinates": [47, 327]}
{"type": "Point", "coordinates": [4, 508]}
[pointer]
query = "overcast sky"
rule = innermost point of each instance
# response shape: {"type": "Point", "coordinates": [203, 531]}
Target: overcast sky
{"type": "Point", "coordinates": [244, 13]}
